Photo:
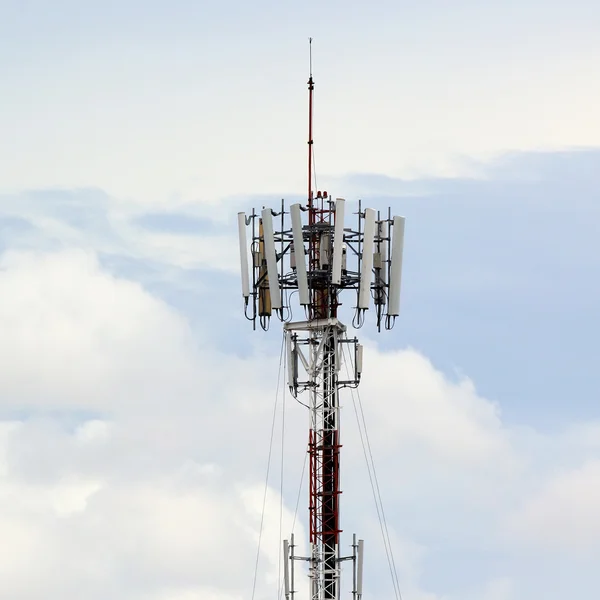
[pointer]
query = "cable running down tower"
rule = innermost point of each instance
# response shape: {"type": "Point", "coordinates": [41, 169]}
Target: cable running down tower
{"type": "Point", "coordinates": [307, 249]}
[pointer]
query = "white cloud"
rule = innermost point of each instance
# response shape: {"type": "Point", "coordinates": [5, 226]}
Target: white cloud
{"type": "Point", "coordinates": [419, 404]}
{"type": "Point", "coordinates": [98, 533]}
{"type": "Point", "coordinates": [94, 222]}
{"type": "Point", "coordinates": [157, 494]}
{"type": "Point", "coordinates": [563, 515]}
{"type": "Point", "coordinates": [190, 142]}
{"type": "Point", "coordinates": [76, 337]}
{"type": "Point", "coordinates": [132, 505]}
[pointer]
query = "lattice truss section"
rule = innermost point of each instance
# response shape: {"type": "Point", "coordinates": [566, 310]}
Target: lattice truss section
{"type": "Point", "coordinates": [324, 450]}
{"type": "Point", "coordinates": [314, 350]}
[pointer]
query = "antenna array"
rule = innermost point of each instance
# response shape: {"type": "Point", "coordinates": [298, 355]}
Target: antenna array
{"type": "Point", "coordinates": [307, 257]}
{"type": "Point", "coordinates": [319, 259]}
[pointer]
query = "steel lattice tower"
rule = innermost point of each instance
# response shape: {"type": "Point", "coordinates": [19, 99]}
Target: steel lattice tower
{"type": "Point", "coordinates": [309, 251]}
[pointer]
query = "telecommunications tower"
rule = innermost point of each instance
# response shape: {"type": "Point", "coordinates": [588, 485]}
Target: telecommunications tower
{"type": "Point", "coordinates": [308, 250]}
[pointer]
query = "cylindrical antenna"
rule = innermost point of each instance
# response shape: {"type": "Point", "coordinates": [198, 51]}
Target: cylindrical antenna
{"type": "Point", "coordinates": [311, 87]}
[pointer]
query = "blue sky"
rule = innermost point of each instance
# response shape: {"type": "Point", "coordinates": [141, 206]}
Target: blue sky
{"type": "Point", "coordinates": [135, 400]}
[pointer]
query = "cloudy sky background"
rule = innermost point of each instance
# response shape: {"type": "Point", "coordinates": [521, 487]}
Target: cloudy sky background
{"type": "Point", "coordinates": [135, 400]}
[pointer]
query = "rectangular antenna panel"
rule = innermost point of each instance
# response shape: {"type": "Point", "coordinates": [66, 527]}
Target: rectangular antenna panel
{"type": "Point", "coordinates": [292, 360]}
{"type": "Point", "coordinates": [286, 569]}
{"type": "Point", "coordinates": [396, 267]}
{"type": "Point", "coordinates": [366, 269]}
{"type": "Point", "coordinates": [300, 258]}
{"type": "Point", "coordinates": [358, 361]}
{"type": "Point", "coordinates": [271, 258]}
{"type": "Point", "coordinates": [338, 241]}
{"type": "Point", "coordinates": [243, 254]}
{"type": "Point", "coordinates": [359, 569]}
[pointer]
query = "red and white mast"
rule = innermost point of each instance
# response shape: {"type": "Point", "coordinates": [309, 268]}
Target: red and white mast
{"type": "Point", "coordinates": [367, 260]}
{"type": "Point", "coordinates": [311, 88]}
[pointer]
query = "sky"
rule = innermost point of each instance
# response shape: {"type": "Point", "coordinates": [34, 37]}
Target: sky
{"type": "Point", "coordinates": [136, 402]}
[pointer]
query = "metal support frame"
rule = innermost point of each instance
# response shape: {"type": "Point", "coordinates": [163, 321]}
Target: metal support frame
{"type": "Point", "coordinates": [323, 364]}
{"type": "Point", "coordinates": [314, 358]}
{"type": "Point", "coordinates": [323, 338]}
{"type": "Point", "coordinates": [334, 259]}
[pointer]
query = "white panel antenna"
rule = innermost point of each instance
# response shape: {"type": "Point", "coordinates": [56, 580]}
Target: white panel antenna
{"type": "Point", "coordinates": [338, 241]}
{"type": "Point", "coordinates": [286, 569]}
{"type": "Point", "coordinates": [324, 251]}
{"type": "Point", "coordinates": [358, 361]}
{"type": "Point", "coordinates": [243, 254]}
{"type": "Point", "coordinates": [292, 363]}
{"type": "Point", "coordinates": [271, 258]}
{"type": "Point", "coordinates": [366, 269]}
{"type": "Point", "coordinates": [359, 574]}
{"type": "Point", "coordinates": [396, 267]}
{"type": "Point", "coordinates": [300, 258]}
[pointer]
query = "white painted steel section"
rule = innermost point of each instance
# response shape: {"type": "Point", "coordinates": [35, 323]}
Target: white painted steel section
{"type": "Point", "coordinates": [323, 404]}
{"type": "Point", "coordinates": [314, 324]}
{"type": "Point", "coordinates": [338, 241]}
{"type": "Point", "coordinates": [271, 258]}
{"type": "Point", "coordinates": [299, 254]}
{"type": "Point", "coordinates": [396, 267]}
{"type": "Point", "coordinates": [243, 254]}
{"type": "Point", "coordinates": [366, 270]}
